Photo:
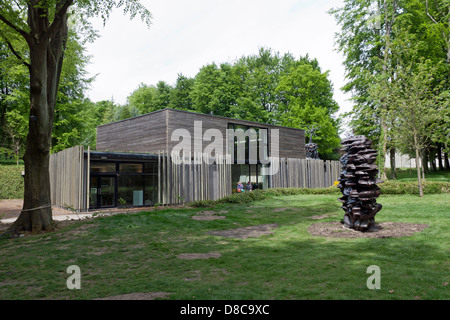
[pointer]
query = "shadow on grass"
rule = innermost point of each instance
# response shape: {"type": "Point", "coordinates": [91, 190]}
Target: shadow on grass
{"type": "Point", "coordinates": [138, 253]}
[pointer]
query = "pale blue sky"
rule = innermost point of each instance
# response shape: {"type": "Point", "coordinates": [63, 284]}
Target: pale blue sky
{"type": "Point", "coordinates": [186, 35]}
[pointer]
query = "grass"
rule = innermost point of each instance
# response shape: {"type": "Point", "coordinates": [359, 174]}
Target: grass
{"type": "Point", "coordinates": [405, 174]}
{"type": "Point", "coordinates": [138, 253]}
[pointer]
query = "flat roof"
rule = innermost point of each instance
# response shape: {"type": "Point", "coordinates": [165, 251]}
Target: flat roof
{"type": "Point", "coordinates": [104, 155]}
{"type": "Point", "coordinates": [201, 114]}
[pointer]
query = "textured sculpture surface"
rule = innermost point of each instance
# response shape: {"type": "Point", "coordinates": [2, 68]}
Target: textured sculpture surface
{"type": "Point", "coordinates": [358, 184]}
{"type": "Point", "coordinates": [312, 149]}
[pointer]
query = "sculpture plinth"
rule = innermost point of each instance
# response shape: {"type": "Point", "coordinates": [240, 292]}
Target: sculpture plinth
{"type": "Point", "coordinates": [358, 184]}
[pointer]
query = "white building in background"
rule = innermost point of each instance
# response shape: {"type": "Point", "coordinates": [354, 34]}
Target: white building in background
{"type": "Point", "coordinates": [401, 161]}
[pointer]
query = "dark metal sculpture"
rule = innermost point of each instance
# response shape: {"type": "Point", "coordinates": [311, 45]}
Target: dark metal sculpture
{"type": "Point", "coordinates": [358, 184]}
{"type": "Point", "coordinates": [312, 149]}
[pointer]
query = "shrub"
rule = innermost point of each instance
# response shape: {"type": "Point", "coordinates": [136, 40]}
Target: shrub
{"type": "Point", "coordinates": [412, 187]}
{"type": "Point", "coordinates": [387, 187]}
{"type": "Point", "coordinates": [202, 203]}
{"type": "Point", "coordinates": [295, 191]}
{"type": "Point", "coordinates": [11, 182]}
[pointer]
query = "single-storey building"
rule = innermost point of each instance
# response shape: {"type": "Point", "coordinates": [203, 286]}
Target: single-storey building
{"type": "Point", "coordinates": [173, 156]}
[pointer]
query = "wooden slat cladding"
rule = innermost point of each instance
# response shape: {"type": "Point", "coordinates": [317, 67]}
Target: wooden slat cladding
{"type": "Point", "coordinates": [291, 141]}
{"type": "Point", "coordinates": [147, 133]}
{"type": "Point", "coordinates": [153, 132]}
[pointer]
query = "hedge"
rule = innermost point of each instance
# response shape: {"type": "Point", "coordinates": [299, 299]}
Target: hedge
{"type": "Point", "coordinates": [11, 181]}
{"type": "Point", "coordinates": [387, 187]}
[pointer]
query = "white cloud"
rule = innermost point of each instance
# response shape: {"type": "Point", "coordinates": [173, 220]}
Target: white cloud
{"type": "Point", "coordinates": [186, 35]}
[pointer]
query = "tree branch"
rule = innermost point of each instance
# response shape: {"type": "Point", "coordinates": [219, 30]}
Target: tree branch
{"type": "Point", "coordinates": [24, 34]}
{"type": "Point", "coordinates": [428, 13]}
{"type": "Point", "coordinates": [11, 47]}
{"type": "Point", "coordinates": [17, 54]}
{"type": "Point", "coordinates": [59, 16]}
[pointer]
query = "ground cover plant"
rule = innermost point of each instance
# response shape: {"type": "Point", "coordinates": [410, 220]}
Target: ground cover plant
{"type": "Point", "coordinates": [170, 254]}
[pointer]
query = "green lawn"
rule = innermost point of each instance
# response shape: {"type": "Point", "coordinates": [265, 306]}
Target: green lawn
{"type": "Point", "coordinates": [404, 174]}
{"type": "Point", "coordinates": [138, 253]}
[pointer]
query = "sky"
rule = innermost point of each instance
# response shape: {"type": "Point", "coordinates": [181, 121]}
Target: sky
{"type": "Point", "coordinates": [187, 35]}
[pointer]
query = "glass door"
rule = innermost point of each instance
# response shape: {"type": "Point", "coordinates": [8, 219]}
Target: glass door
{"type": "Point", "coordinates": [102, 192]}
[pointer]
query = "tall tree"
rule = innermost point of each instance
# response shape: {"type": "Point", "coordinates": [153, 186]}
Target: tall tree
{"type": "Point", "coordinates": [213, 91]}
{"type": "Point", "coordinates": [181, 93]}
{"type": "Point", "coordinates": [144, 99]}
{"type": "Point", "coordinates": [307, 97]}
{"type": "Point", "coordinates": [42, 24]}
{"type": "Point", "coordinates": [415, 96]}
{"type": "Point", "coordinates": [365, 44]}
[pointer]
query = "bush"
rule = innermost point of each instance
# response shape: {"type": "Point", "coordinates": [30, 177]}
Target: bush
{"type": "Point", "coordinates": [11, 182]}
{"type": "Point", "coordinates": [244, 197]}
{"type": "Point", "coordinates": [412, 187]}
{"type": "Point", "coordinates": [387, 187]}
{"type": "Point", "coordinates": [295, 191]}
{"type": "Point", "coordinates": [202, 203]}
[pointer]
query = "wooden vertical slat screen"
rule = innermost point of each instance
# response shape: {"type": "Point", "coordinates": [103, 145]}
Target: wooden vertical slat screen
{"type": "Point", "coordinates": [304, 173]}
{"type": "Point", "coordinates": [184, 178]}
{"type": "Point", "coordinates": [187, 178]}
{"type": "Point", "coordinates": [68, 179]}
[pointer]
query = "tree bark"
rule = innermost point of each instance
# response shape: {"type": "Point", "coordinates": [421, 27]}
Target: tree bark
{"type": "Point", "coordinates": [384, 105]}
{"type": "Point", "coordinates": [432, 159]}
{"type": "Point", "coordinates": [36, 214]}
{"type": "Point", "coordinates": [425, 161]}
{"type": "Point", "coordinates": [446, 162]}
{"type": "Point", "coordinates": [392, 160]}
{"type": "Point", "coordinates": [46, 43]}
{"type": "Point", "coordinates": [439, 157]}
{"type": "Point", "coordinates": [418, 166]}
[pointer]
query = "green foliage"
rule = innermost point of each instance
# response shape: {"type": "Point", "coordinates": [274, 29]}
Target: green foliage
{"type": "Point", "coordinates": [387, 187]}
{"type": "Point", "coordinates": [296, 191]}
{"type": "Point", "coordinates": [266, 87]}
{"type": "Point", "coordinates": [412, 187]}
{"type": "Point", "coordinates": [376, 55]}
{"type": "Point", "coordinates": [11, 181]}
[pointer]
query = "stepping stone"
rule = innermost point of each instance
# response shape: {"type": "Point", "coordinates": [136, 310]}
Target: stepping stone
{"type": "Point", "coordinates": [207, 212]}
{"type": "Point", "coordinates": [247, 232]}
{"type": "Point", "coordinates": [192, 256]}
{"type": "Point", "coordinates": [208, 218]}
{"type": "Point", "coordinates": [280, 209]}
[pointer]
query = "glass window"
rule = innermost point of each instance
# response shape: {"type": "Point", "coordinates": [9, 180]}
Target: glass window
{"type": "Point", "coordinates": [131, 190]}
{"type": "Point", "coordinates": [263, 146]}
{"type": "Point", "coordinates": [103, 167]}
{"type": "Point", "coordinates": [250, 144]}
{"type": "Point", "coordinates": [151, 168]}
{"type": "Point", "coordinates": [131, 167]}
{"type": "Point", "coordinates": [240, 143]}
{"type": "Point", "coordinates": [257, 175]}
{"type": "Point", "coordinates": [151, 190]}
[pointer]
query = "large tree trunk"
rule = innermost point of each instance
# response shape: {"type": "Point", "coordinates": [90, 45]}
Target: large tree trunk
{"type": "Point", "coordinates": [46, 56]}
{"type": "Point", "coordinates": [432, 159]}
{"type": "Point", "coordinates": [384, 104]}
{"type": "Point", "coordinates": [418, 166]}
{"type": "Point", "coordinates": [425, 160]}
{"type": "Point", "coordinates": [446, 162]}
{"type": "Point", "coordinates": [439, 157]}
{"type": "Point", "coordinates": [392, 160]}
{"type": "Point", "coordinates": [36, 214]}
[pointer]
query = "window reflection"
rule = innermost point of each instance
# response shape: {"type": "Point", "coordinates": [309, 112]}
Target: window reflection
{"type": "Point", "coordinates": [248, 144]}
{"type": "Point", "coordinates": [136, 183]}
